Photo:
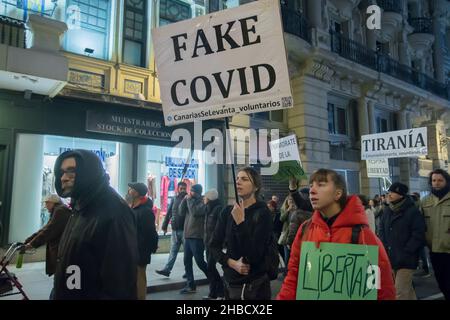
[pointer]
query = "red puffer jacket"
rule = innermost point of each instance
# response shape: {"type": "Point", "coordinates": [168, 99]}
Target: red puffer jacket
{"type": "Point", "coordinates": [341, 231]}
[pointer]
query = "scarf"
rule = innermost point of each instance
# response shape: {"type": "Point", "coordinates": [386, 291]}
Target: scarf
{"type": "Point", "coordinates": [396, 206]}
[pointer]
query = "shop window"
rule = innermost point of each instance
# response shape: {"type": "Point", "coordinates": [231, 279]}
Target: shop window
{"type": "Point", "coordinates": [162, 169]}
{"type": "Point", "coordinates": [135, 25]}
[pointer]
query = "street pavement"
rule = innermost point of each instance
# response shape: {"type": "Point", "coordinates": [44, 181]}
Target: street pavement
{"type": "Point", "coordinates": [38, 285]}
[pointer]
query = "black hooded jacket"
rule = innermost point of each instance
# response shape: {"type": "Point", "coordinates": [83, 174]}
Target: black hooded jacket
{"type": "Point", "coordinates": [100, 240]}
{"type": "Point", "coordinates": [249, 239]}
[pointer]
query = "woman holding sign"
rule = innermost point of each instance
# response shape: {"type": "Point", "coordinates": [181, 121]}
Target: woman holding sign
{"type": "Point", "coordinates": [246, 228]}
{"type": "Point", "coordinates": [335, 256]}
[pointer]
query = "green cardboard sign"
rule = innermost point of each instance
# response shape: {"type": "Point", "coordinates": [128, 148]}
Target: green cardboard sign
{"type": "Point", "coordinates": [290, 169]}
{"type": "Point", "coordinates": [337, 271]}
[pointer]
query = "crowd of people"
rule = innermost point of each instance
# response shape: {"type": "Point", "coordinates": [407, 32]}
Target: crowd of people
{"type": "Point", "coordinates": [111, 239]}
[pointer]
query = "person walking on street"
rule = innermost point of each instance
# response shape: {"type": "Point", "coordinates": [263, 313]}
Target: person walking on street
{"type": "Point", "coordinates": [98, 251]}
{"type": "Point", "coordinates": [402, 231]}
{"type": "Point", "coordinates": [247, 230]}
{"type": "Point", "coordinates": [146, 232]}
{"type": "Point", "coordinates": [51, 233]}
{"type": "Point", "coordinates": [370, 212]}
{"type": "Point", "coordinates": [334, 219]}
{"type": "Point", "coordinates": [177, 223]}
{"type": "Point", "coordinates": [213, 209]}
{"type": "Point", "coordinates": [436, 209]}
{"type": "Point", "coordinates": [194, 210]}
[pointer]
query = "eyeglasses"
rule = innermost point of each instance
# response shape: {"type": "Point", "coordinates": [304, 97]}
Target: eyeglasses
{"type": "Point", "coordinates": [70, 172]}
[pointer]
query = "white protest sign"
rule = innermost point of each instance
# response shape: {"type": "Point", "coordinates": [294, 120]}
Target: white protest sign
{"type": "Point", "coordinates": [224, 63]}
{"type": "Point", "coordinates": [395, 144]}
{"type": "Point", "coordinates": [285, 149]}
{"type": "Point", "coordinates": [378, 168]}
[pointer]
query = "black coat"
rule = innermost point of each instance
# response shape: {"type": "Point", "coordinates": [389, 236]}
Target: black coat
{"type": "Point", "coordinates": [249, 240]}
{"type": "Point", "coordinates": [99, 243]}
{"type": "Point", "coordinates": [172, 215]}
{"type": "Point", "coordinates": [146, 232]}
{"type": "Point", "coordinates": [213, 210]}
{"type": "Point", "coordinates": [403, 235]}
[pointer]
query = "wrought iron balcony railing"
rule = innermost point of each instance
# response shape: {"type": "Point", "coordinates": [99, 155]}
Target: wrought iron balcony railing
{"type": "Point", "coordinates": [359, 53]}
{"type": "Point", "coordinates": [12, 32]}
{"type": "Point", "coordinates": [391, 5]}
{"type": "Point", "coordinates": [421, 25]}
{"type": "Point", "coordinates": [295, 23]}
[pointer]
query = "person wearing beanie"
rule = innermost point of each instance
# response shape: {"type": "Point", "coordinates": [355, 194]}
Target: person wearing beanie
{"type": "Point", "coordinates": [193, 210]}
{"type": "Point", "coordinates": [146, 231]}
{"type": "Point", "coordinates": [436, 209]}
{"type": "Point", "coordinates": [51, 233]}
{"type": "Point", "coordinates": [213, 209]}
{"type": "Point", "coordinates": [402, 231]}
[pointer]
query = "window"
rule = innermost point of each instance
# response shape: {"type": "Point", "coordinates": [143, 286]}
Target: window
{"type": "Point", "coordinates": [176, 10]}
{"type": "Point", "coordinates": [337, 119]}
{"type": "Point", "coordinates": [134, 32]}
{"type": "Point", "coordinates": [351, 179]}
{"type": "Point", "coordinates": [88, 22]}
{"type": "Point", "coordinates": [382, 125]}
{"type": "Point", "coordinates": [276, 115]}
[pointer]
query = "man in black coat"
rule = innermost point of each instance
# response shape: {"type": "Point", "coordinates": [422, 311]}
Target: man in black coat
{"type": "Point", "coordinates": [98, 252]}
{"type": "Point", "coordinates": [214, 208]}
{"type": "Point", "coordinates": [177, 223]}
{"type": "Point", "coordinates": [146, 232]}
{"type": "Point", "coordinates": [402, 231]}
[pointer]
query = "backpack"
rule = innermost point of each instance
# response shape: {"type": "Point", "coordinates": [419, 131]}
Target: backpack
{"type": "Point", "coordinates": [356, 229]}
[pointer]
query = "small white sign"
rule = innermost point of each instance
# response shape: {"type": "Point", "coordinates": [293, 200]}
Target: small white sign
{"type": "Point", "coordinates": [223, 63]}
{"type": "Point", "coordinates": [378, 168]}
{"type": "Point", "coordinates": [395, 144]}
{"type": "Point", "coordinates": [285, 149]}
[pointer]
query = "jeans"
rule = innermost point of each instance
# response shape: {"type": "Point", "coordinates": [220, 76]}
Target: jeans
{"type": "Point", "coordinates": [215, 281]}
{"type": "Point", "coordinates": [441, 267]}
{"type": "Point", "coordinates": [194, 248]}
{"type": "Point", "coordinates": [176, 239]}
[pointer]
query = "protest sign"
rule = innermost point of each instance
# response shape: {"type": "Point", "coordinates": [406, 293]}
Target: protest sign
{"type": "Point", "coordinates": [337, 271]}
{"type": "Point", "coordinates": [395, 144]}
{"type": "Point", "coordinates": [285, 152]}
{"type": "Point", "coordinates": [223, 63]}
{"type": "Point", "coordinates": [378, 168]}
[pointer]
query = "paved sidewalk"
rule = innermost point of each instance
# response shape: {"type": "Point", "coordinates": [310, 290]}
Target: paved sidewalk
{"type": "Point", "coordinates": [37, 285]}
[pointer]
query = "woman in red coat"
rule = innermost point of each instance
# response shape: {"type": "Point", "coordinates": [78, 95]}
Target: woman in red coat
{"type": "Point", "coordinates": [333, 219]}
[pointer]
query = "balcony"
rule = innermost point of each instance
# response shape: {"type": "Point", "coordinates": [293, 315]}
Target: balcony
{"type": "Point", "coordinates": [295, 23]}
{"type": "Point", "coordinates": [40, 69]}
{"type": "Point", "coordinates": [353, 50]}
{"type": "Point", "coordinates": [359, 53]}
{"type": "Point", "coordinates": [391, 5]}
{"type": "Point", "coordinates": [391, 19]}
{"type": "Point", "coordinates": [421, 25]}
{"type": "Point", "coordinates": [12, 32]}
{"type": "Point", "coordinates": [422, 37]}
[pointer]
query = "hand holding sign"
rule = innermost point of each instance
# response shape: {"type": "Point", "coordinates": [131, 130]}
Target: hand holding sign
{"type": "Point", "coordinates": [238, 213]}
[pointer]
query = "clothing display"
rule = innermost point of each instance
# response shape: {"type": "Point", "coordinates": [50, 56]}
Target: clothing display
{"type": "Point", "coordinates": [151, 179]}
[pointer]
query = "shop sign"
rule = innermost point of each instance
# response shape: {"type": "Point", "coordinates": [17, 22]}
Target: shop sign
{"type": "Point", "coordinates": [127, 125]}
{"type": "Point", "coordinates": [222, 64]}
